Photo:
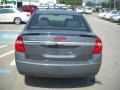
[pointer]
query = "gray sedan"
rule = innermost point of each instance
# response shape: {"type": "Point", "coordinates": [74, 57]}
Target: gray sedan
{"type": "Point", "coordinates": [58, 44]}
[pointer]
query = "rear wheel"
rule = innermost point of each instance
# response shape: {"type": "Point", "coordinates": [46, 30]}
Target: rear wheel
{"type": "Point", "coordinates": [28, 79]}
{"type": "Point", "coordinates": [119, 21]}
{"type": "Point", "coordinates": [17, 20]}
{"type": "Point", "coordinates": [89, 80]}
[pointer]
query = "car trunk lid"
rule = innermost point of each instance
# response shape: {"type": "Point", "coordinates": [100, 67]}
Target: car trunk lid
{"type": "Point", "coordinates": [59, 46]}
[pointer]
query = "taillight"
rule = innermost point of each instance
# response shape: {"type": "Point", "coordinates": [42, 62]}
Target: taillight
{"type": "Point", "coordinates": [19, 46]}
{"type": "Point", "coordinates": [98, 47]}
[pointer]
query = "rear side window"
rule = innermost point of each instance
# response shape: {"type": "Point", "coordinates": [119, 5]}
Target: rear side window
{"type": "Point", "coordinates": [1, 6]}
{"type": "Point", "coordinates": [4, 11]}
{"type": "Point", "coordinates": [7, 6]}
{"type": "Point", "coordinates": [57, 21]}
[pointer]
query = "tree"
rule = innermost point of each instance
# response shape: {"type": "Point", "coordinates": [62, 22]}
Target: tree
{"type": "Point", "coordinates": [89, 3]}
{"type": "Point", "coordinates": [114, 4]}
{"type": "Point", "coordinates": [104, 4]}
{"type": "Point", "coordinates": [71, 2]}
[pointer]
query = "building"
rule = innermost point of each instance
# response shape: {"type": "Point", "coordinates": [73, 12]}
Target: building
{"type": "Point", "coordinates": [38, 2]}
{"type": "Point", "coordinates": [48, 1]}
{"type": "Point", "coordinates": [0, 2]}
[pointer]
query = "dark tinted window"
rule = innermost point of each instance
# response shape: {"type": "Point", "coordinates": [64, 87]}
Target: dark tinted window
{"type": "Point", "coordinates": [1, 6]}
{"type": "Point", "coordinates": [7, 6]}
{"type": "Point", "coordinates": [57, 21]}
{"type": "Point", "coordinates": [2, 11]}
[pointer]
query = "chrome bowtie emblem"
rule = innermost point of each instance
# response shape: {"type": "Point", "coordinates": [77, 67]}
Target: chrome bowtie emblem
{"type": "Point", "coordinates": [59, 43]}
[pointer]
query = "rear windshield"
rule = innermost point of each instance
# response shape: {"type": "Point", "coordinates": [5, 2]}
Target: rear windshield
{"type": "Point", "coordinates": [56, 21]}
{"type": "Point", "coordinates": [114, 12]}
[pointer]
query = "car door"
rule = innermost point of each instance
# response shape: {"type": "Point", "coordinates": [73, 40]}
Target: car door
{"type": "Point", "coordinates": [1, 15]}
{"type": "Point", "coordinates": [7, 15]}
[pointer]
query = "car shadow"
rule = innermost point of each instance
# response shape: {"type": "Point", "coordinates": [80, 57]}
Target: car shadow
{"type": "Point", "coordinates": [11, 23]}
{"type": "Point", "coordinates": [59, 83]}
{"type": "Point", "coordinates": [118, 23]}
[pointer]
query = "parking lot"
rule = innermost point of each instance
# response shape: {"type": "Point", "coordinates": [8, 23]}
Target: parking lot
{"type": "Point", "coordinates": [107, 79]}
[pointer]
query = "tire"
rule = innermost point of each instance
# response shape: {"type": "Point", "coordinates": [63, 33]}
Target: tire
{"type": "Point", "coordinates": [28, 79]}
{"type": "Point", "coordinates": [119, 21]}
{"type": "Point", "coordinates": [17, 20]}
{"type": "Point", "coordinates": [90, 80]}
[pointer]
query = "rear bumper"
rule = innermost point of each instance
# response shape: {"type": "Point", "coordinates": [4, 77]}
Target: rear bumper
{"type": "Point", "coordinates": [58, 69]}
{"type": "Point", "coordinates": [25, 19]}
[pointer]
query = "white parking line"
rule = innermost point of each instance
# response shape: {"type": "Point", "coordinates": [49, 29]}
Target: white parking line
{"type": "Point", "coordinates": [13, 62]}
{"type": "Point", "coordinates": [5, 54]}
{"type": "Point", "coordinates": [3, 46]}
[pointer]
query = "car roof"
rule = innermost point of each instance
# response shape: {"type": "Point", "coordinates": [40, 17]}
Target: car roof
{"type": "Point", "coordinates": [57, 11]}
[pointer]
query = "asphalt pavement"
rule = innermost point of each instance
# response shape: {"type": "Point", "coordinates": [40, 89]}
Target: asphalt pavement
{"type": "Point", "coordinates": [107, 79]}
